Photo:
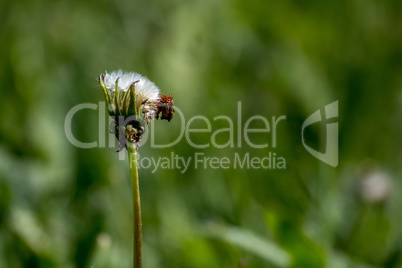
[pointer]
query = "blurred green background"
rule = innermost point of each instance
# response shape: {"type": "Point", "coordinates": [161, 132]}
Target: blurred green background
{"type": "Point", "coordinates": [63, 206]}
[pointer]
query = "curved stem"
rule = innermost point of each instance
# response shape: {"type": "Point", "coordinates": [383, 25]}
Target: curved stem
{"type": "Point", "coordinates": [132, 158]}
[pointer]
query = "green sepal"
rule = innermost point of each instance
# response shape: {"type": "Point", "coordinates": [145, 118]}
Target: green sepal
{"type": "Point", "coordinates": [116, 97]}
{"type": "Point", "coordinates": [126, 98]}
{"type": "Point", "coordinates": [105, 90]}
{"type": "Point", "coordinates": [131, 108]}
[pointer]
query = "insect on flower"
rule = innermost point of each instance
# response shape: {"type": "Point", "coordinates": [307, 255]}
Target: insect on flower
{"type": "Point", "coordinates": [166, 107]}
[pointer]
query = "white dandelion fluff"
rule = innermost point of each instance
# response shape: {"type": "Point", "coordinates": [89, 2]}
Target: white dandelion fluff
{"type": "Point", "coordinates": [144, 88]}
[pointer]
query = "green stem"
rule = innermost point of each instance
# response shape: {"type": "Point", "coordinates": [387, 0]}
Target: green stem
{"type": "Point", "coordinates": [132, 158]}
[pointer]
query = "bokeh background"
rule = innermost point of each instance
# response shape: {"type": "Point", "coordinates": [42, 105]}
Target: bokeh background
{"type": "Point", "coordinates": [63, 206]}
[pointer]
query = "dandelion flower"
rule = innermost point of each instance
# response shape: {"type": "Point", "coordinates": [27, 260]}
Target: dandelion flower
{"type": "Point", "coordinates": [133, 101]}
{"type": "Point", "coordinates": [121, 88]}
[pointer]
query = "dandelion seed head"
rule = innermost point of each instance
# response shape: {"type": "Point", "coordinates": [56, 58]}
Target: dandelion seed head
{"type": "Point", "coordinates": [145, 90]}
